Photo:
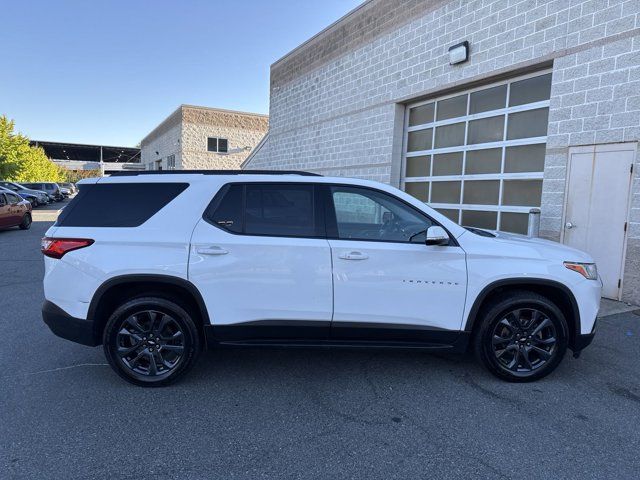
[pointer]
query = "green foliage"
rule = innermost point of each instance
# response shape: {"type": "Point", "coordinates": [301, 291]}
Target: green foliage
{"type": "Point", "coordinates": [74, 176]}
{"type": "Point", "coordinates": [20, 162]}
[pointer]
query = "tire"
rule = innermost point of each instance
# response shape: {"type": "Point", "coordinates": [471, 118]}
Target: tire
{"type": "Point", "coordinates": [131, 343]}
{"type": "Point", "coordinates": [26, 222]}
{"type": "Point", "coordinates": [522, 338]}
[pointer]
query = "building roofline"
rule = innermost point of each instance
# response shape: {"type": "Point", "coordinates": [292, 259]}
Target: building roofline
{"type": "Point", "coordinates": [157, 127]}
{"type": "Point", "coordinates": [184, 106]}
{"type": "Point", "coordinates": [224, 110]}
{"type": "Point", "coordinates": [322, 32]}
{"type": "Point", "coordinates": [255, 151]}
{"type": "Point", "coordinates": [82, 144]}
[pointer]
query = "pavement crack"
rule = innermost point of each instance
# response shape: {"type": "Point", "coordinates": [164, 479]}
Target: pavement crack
{"type": "Point", "coordinates": [58, 369]}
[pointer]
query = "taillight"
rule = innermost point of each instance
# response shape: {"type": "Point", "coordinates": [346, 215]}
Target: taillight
{"type": "Point", "coordinates": [58, 247]}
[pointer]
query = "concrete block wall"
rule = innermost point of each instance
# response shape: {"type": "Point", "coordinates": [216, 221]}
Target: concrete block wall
{"type": "Point", "coordinates": [334, 99]}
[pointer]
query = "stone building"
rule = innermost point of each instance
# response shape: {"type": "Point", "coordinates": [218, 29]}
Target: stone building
{"type": "Point", "coordinates": [197, 138]}
{"type": "Point", "coordinates": [482, 108]}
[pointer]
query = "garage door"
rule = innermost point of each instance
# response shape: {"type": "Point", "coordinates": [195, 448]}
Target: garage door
{"type": "Point", "coordinates": [478, 156]}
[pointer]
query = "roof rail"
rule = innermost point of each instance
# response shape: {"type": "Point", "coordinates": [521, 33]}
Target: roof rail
{"type": "Point", "coordinates": [133, 173]}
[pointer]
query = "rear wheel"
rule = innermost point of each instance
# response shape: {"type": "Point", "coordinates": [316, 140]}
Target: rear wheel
{"type": "Point", "coordinates": [151, 341]}
{"type": "Point", "coordinates": [523, 337]}
{"type": "Point", "coordinates": [26, 222]}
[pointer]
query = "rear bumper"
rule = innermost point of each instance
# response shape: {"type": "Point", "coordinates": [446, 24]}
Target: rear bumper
{"type": "Point", "coordinates": [65, 326]}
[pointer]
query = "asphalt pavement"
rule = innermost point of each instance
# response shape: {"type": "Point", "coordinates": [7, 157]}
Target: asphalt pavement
{"type": "Point", "coordinates": [277, 413]}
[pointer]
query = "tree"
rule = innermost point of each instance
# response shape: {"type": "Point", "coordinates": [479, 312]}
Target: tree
{"type": "Point", "coordinates": [20, 162]}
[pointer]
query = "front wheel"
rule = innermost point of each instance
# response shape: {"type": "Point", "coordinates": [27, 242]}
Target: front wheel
{"type": "Point", "coordinates": [151, 342]}
{"type": "Point", "coordinates": [523, 337]}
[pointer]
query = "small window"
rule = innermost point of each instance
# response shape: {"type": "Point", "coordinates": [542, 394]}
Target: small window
{"type": "Point", "coordinates": [11, 198]}
{"type": "Point", "coordinates": [118, 204]}
{"type": "Point", "coordinates": [218, 145]}
{"type": "Point", "coordinates": [171, 162]}
{"type": "Point", "coordinates": [3, 202]}
{"type": "Point", "coordinates": [228, 213]}
{"type": "Point", "coordinates": [363, 214]}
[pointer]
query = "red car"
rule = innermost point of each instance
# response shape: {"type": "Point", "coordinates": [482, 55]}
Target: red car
{"type": "Point", "coordinates": [14, 211]}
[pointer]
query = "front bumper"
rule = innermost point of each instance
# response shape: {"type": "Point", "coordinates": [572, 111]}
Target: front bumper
{"type": "Point", "coordinates": [68, 327]}
{"type": "Point", "coordinates": [583, 341]}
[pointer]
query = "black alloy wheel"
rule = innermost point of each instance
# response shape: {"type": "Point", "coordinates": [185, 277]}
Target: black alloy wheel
{"type": "Point", "coordinates": [151, 341]}
{"type": "Point", "coordinates": [523, 336]}
{"type": "Point", "coordinates": [524, 340]}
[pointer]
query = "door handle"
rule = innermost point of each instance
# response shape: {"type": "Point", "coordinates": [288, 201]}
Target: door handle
{"type": "Point", "coordinates": [211, 251]}
{"type": "Point", "coordinates": [354, 256]}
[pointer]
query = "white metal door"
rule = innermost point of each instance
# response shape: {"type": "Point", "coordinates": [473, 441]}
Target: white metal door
{"type": "Point", "coordinates": [277, 282]}
{"type": "Point", "coordinates": [597, 207]}
{"type": "Point", "coordinates": [379, 285]}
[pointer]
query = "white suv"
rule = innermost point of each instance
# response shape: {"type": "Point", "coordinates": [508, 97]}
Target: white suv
{"type": "Point", "coordinates": [156, 266]}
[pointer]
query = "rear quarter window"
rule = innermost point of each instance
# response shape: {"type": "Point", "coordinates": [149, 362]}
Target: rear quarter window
{"type": "Point", "coordinates": [118, 204]}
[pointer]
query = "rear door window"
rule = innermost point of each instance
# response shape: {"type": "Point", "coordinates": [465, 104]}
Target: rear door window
{"type": "Point", "coordinates": [273, 209]}
{"type": "Point", "coordinates": [118, 204]}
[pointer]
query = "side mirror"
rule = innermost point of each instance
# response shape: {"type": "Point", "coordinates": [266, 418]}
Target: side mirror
{"type": "Point", "coordinates": [437, 236]}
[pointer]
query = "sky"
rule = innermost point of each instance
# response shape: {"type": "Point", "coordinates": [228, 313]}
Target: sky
{"type": "Point", "coordinates": [107, 72]}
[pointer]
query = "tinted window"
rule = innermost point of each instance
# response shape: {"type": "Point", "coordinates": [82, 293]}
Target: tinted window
{"type": "Point", "coordinates": [277, 210]}
{"type": "Point", "coordinates": [3, 202]}
{"type": "Point", "coordinates": [280, 210]}
{"type": "Point", "coordinates": [228, 213]}
{"type": "Point", "coordinates": [118, 204]}
{"type": "Point", "coordinates": [11, 198]}
{"type": "Point", "coordinates": [363, 214]}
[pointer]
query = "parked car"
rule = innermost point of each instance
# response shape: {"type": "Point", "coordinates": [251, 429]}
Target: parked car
{"type": "Point", "coordinates": [179, 261]}
{"type": "Point", "coordinates": [65, 191]}
{"type": "Point", "coordinates": [32, 199]}
{"type": "Point", "coordinates": [42, 197]}
{"type": "Point", "coordinates": [14, 211]}
{"type": "Point", "coordinates": [69, 186]}
{"type": "Point", "coordinates": [52, 189]}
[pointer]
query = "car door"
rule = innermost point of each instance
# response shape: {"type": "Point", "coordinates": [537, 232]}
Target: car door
{"type": "Point", "coordinates": [5, 214]}
{"type": "Point", "coordinates": [15, 208]}
{"type": "Point", "coordinates": [261, 261]}
{"type": "Point", "coordinates": [389, 286]}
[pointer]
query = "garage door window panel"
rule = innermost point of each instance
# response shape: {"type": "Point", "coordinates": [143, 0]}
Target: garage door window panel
{"type": "Point", "coordinates": [446, 192]}
{"type": "Point", "coordinates": [447, 164]}
{"type": "Point", "coordinates": [486, 130]}
{"type": "Point", "coordinates": [419, 166]}
{"type": "Point", "coordinates": [486, 149]}
{"type": "Point", "coordinates": [522, 192]}
{"type": "Point", "coordinates": [420, 140]}
{"type": "Point", "coordinates": [480, 219]}
{"type": "Point", "coordinates": [527, 124]}
{"type": "Point", "coordinates": [421, 115]}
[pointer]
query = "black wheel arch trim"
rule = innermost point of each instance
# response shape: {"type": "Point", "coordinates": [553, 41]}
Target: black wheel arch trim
{"type": "Point", "coordinates": [523, 282]}
{"type": "Point", "coordinates": [142, 278]}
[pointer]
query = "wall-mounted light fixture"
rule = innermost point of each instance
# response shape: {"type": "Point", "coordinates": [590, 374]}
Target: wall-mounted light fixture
{"type": "Point", "coordinates": [459, 53]}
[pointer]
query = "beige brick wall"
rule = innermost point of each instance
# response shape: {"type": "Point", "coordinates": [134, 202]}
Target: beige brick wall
{"type": "Point", "coordinates": [184, 134]}
{"type": "Point", "coordinates": [242, 130]}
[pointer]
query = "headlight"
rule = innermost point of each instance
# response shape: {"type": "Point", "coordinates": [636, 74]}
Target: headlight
{"type": "Point", "coordinates": [587, 270]}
